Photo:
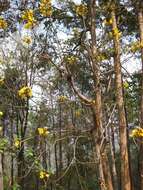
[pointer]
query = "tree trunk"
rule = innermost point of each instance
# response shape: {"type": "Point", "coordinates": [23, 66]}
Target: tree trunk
{"type": "Point", "coordinates": [125, 171]}
{"type": "Point", "coordinates": [97, 107]}
{"type": "Point", "coordinates": [140, 21]}
{"type": "Point", "coordinates": [112, 152]}
{"type": "Point", "coordinates": [21, 171]}
{"type": "Point", "coordinates": [106, 169]}
{"type": "Point", "coordinates": [1, 174]}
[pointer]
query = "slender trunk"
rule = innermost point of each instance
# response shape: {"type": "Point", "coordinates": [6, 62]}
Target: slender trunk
{"type": "Point", "coordinates": [60, 142]}
{"type": "Point", "coordinates": [21, 159]}
{"type": "Point", "coordinates": [112, 152]}
{"type": "Point", "coordinates": [21, 167]}
{"type": "Point", "coordinates": [125, 171]}
{"type": "Point", "coordinates": [56, 160]}
{"type": "Point", "coordinates": [12, 159]}
{"type": "Point", "coordinates": [1, 174]}
{"type": "Point", "coordinates": [97, 107]}
{"type": "Point", "coordinates": [140, 21]}
{"type": "Point", "coordinates": [106, 169]}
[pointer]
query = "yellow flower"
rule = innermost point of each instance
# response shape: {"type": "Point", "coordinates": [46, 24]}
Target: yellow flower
{"type": "Point", "coordinates": [71, 59]}
{"type": "Point", "coordinates": [81, 10]}
{"type": "Point", "coordinates": [28, 25]}
{"type": "Point", "coordinates": [116, 33]}
{"type": "Point", "coordinates": [136, 46]}
{"type": "Point", "coordinates": [40, 131]}
{"type": "Point", "coordinates": [78, 113]}
{"type": "Point", "coordinates": [3, 23]}
{"type": "Point", "coordinates": [1, 129]}
{"type": "Point", "coordinates": [1, 81]}
{"type": "Point", "coordinates": [1, 60]}
{"type": "Point", "coordinates": [27, 39]}
{"type": "Point", "coordinates": [25, 92]}
{"type": "Point", "coordinates": [108, 22]}
{"type": "Point", "coordinates": [101, 57]}
{"type": "Point", "coordinates": [1, 113]}
{"type": "Point", "coordinates": [45, 8]}
{"type": "Point", "coordinates": [62, 98]}
{"type": "Point", "coordinates": [43, 175]}
{"type": "Point", "coordinates": [43, 131]}
{"type": "Point", "coordinates": [28, 18]}
{"type": "Point", "coordinates": [126, 85]}
{"type": "Point", "coordinates": [93, 102]}
{"type": "Point", "coordinates": [28, 15]}
{"type": "Point", "coordinates": [17, 143]}
{"type": "Point", "coordinates": [136, 133]}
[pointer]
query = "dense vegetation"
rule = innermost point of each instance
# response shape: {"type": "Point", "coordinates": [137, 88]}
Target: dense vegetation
{"type": "Point", "coordinates": [71, 94]}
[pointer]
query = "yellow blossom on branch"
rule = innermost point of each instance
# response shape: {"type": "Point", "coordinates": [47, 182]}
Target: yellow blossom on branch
{"type": "Point", "coordinates": [116, 32]}
{"type": "Point", "coordinates": [1, 129]}
{"type": "Point", "coordinates": [108, 22]}
{"type": "Point", "coordinates": [43, 131]}
{"type": "Point", "coordinates": [27, 40]}
{"type": "Point", "coordinates": [28, 15]}
{"type": "Point", "coordinates": [3, 23]}
{"type": "Point", "coordinates": [101, 57]}
{"type": "Point", "coordinates": [126, 85]}
{"type": "Point", "coordinates": [78, 113]}
{"type": "Point", "coordinates": [1, 81]}
{"type": "Point", "coordinates": [81, 10]}
{"type": "Point", "coordinates": [17, 143]}
{"type": "Point", "coordinates": [1, 113]}
{"type": "Point", "coordinates": [1, 60]}
{"type": "Point", "coordinates": [136, 133]}
{"type": "Point", "coordinates": [71, 59]}
{"type": "Point", "coordinates": [44, 175]}
{"type": "Point", "coordinates": [45, 8]}
{"type": "Point", "coordinates": [28, 18]}
{"type": "Point", "coordinates": [62, 98]}
{"type": "Point", "coordinates": [25, 92]}
{"type": "Point", "coordinates": [136, 46]}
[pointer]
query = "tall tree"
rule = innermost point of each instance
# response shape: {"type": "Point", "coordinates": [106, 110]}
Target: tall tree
{"type": "Point", "coordinates": [139, 10]}
{"type": "Point", "coordinates": [125, 169]}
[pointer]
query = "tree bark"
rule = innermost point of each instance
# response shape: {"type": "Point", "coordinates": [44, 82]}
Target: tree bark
{"type": "Point", "coordinates": [20, 165]}
{"type": "Point", "coordinates": [140, 21]}
{"type": "Point", "coordinates": [112, 152]}
{"type": "Point", "coordinates": [125, 170]}
{"type": "Point", "coordinates": [1, 174]}
{"type": "Point", "coordinates": [97, 107]}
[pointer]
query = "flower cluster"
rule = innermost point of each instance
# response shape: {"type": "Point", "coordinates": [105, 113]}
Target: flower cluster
{"type": "Point", "coordinates": [27, 40]}
{"type": "Point", "coordinates": [116, 32]}
{"type": "Point", "coordinates": [78, 113]}
{"type": "Point", "coordinates": [62, 98]}
{"type": "Point", "coordinates": [43, 131]}
{"type": "Point", "coordinates": [108, 22]}
{"type": "Point", "coordinates": [126, 85]}
{"type": "Point", "coordinates": [138, 132]}
{"type": "Point", "coordinates": [101, 57]}
{"type": "Point", "coordinates": [1, 81]}
{"type": "Point", "coordinates": [1, 60]}
{"type": "Point", "coordinates": [17, 143]}
{"type": "Point", "coordinates": [1, 129]}
{"type": "Point", "coordinates": [46, 8]}
{"type": "Point", "coordinates": [43, 175]}
{"type": "Point", "coordinates": [1, 113]}
{"type": "Point", "coordinates": [136, 46]}
{"type": "Point", "coordinates": [81, 10]}
{"type": "Point", "coordinates": [71, 60]}
{"type": "Point", "coordinates": [25, 92]}
{"type": "Point", "coordinates": [3, 23]}
{"type": "Point", "coordinates": [28, 18]}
